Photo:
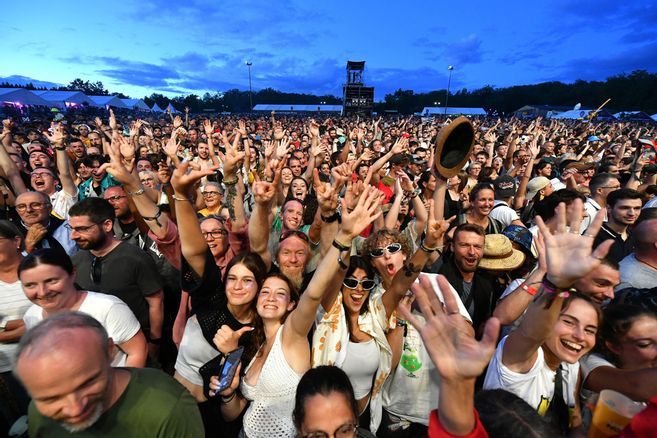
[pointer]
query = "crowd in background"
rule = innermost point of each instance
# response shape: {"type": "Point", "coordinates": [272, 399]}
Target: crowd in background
{"type": "Point", "coordinates": [495, 301]}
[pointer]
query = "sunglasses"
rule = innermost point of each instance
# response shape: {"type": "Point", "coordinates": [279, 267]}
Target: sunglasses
{"type": "Point", "coordinates": [365, 283]}
{"type": "Point", "coordinates": [290, 233]}
{"type": "Point", "coordinates": [96, 270]}
{"type": "Point", "coordinates": [390, 249]}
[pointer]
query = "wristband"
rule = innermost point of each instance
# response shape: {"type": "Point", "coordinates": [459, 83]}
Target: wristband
{"type": "Point", "coordinates": [428, 249]}
{"type": "Point", "coordinates": [60, 149]}
{"type": "Point", "coordinates": [137, 192]}
{"type": "Point", "coordinates": [230, 183]}
{"type": "Point", "coordinates": [329, 219]}
{"type": "Point", "coordinates": [529, 289]}
{"type": "Point", "coordinates": [341, 247]}
{"type": "Point", "coordinates": [176, 198]}
{"type": "Point", "coordinates": [154, 218]}
{"type": "Point", "coordinates": [229, 398]}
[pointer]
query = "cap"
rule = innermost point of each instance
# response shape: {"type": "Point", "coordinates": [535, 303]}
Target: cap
{"type": "Point", "coordinates": [399, 159]}
{"type": "Point", "coordinates": [536, 184]}
{"type": "Point", "coordinates": [520, 235]}
{"type": "Point", "coordinates": [42, 149]}
{"type": "Point", "coordinates": [505, 186]}
{"type": "Point", "coordinates": [593, 138]}
{"type": "Point", "coordinates": [499, 254]}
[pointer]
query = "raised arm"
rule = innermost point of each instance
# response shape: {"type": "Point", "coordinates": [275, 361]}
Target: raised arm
{"type": "Point", "coordinates": [234, 197]}
{"type": "Point", "coordinates": [561, 249]}
{"type": "Point", "coordinates": [259, 225]}
{"type": "Point", "coordinates": [333, 267]}
{"type": "Point", "coordinates": [6, 163]}
{"type": "Point", "coordinates": [193, 244]}
{"type": "Point", "coordinates": [403, 279]}
{"type": "Point", "coordinates": [63, 162]}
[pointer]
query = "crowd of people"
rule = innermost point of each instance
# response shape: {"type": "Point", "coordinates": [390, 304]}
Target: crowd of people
{"type": "Point", "coordinates": [362, 292]}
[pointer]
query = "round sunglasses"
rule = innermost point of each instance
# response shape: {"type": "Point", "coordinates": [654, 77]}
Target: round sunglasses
{"type": "Point", "coordinates": [365, 283]}
{"type": "Point", "coordinates": [390, 249]}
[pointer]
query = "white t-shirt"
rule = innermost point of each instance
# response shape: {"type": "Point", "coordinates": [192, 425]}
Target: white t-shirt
{"type": "Point", "coordinates": [13, 305]}
{"type": "Point", "coordinates": [592, 209]}
{"type": "Point", "coordinates": [411, 391]}
{"type": "Point", "coordinates": [536, 386]}
{"type": "Point", "coordinates": [114, 315]}
{"type": "Point", "coordinates": [503, 213]}
{"type": "Point", "coordinates": [194, 352]}
{"type": "Point", "coordinates": [652, 203]}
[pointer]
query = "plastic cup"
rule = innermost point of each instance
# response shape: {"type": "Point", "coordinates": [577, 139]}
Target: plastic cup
{"type": "Point", "coordinates": [612, 413]}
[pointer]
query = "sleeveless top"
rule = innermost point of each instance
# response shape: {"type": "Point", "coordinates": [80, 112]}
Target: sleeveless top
{"type": "Point", "coordinates": [272, 397]}
{"type": "Point", "coordinates": [360, 365]}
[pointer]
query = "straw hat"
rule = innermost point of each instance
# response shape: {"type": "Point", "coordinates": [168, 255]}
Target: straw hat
{"type": "Point", "coordinates": [499, 254]}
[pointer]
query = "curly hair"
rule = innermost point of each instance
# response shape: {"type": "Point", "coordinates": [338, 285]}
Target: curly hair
{"type": "Point", "coordinates": [384, 237]}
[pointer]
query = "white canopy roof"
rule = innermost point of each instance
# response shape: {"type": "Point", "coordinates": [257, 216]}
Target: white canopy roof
{"type": "Point", "coordinates": [101, 101]}
{"type": "Point", "coordinates": [60, 98]}
{"type": "Point", "coordinates": [157, 109]}
{"type": "Point", "coordinates": [172, 109]}
{"type": "Point", "coordinates": [654, 116]}
{"type": "Point", "coordinates": [21, 96]}
{"type": "Point", "coordinates": [582, 114]}
{"type": "Point", "coordinates": [452, 111]}
{"type": "Point", "coordinates": [136, 104]}
{"type": "Point", "coordinates": [297, 108]}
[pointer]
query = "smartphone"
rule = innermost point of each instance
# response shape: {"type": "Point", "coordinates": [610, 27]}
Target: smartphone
{"type": "Point", "coordinates": [229, 368]}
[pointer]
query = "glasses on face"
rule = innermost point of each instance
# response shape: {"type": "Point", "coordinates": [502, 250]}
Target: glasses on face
{"type": "Point", "coordinates": [290, 233]}
{"type": "Point", "coordinates": [365, 283]}
{"type": "Point", "coordinates": [390, 249]}
{"type": "Point", "coordinates": [216, 234]}
{"type": "Point", "coordinates": [82, 229]}
{"type": "Point", "coordinates": [115, 198]}
{"type": "Point", "coordinates": [146, 180]}
{"type": "Point", "coordinates": [41, 174]}
{"type": "Point", "coordinates": [208, 194]}
{"type": "Point", "coordinates": [344, 431]}
{"type": "Point", "coordinates": [33, 206]}
{"type": "Point", "coordinates": [611, 187]}
{"type": "Point", "coordinates": [96, 270]}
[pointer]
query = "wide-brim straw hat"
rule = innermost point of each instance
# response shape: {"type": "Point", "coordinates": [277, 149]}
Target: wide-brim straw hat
{"type": "Point", "coordinates": [499, 254]}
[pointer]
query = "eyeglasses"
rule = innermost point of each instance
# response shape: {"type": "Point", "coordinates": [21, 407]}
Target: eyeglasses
{"type": "Point", "coordinates": [208, 194]}
{"type": "Point", "coordinates": [216, 234]}
{"type": "Point", "coordinates": [344, 431]}
{"type": "Point", "coordinates": [96, 270]}
{"type": "Point", "coordinates": [290, 233]}
{"type": "Point", "coordinates": [82, 229]}
{"type": "Point", "coordinates": [146, 180]}
{"type": "Point", "coordinates": [41, 174]}
{"type": "Point", "coordinates": [115, 198]}
{"type": "Point", "coordinates": [390, 249]}
{"type": "Point", "coordinates": [353, 283]}
{"type": "Point", "coordinates": [33, 206]}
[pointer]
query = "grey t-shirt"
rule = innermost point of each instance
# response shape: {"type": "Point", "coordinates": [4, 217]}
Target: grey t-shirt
{"type": "Point", "coordinates": [633, 273]}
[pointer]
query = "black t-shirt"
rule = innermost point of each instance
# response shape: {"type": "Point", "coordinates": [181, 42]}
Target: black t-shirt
{"type": "Point", "coordinates": [127, 272]}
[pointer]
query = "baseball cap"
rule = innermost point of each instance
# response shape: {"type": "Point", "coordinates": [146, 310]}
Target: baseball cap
{"type": "Point", "coordinates": [505, 186]}
{"type": "Point", "coordinates": [536, 184]}
{"type": "Point", "coordinates": [520, 235]}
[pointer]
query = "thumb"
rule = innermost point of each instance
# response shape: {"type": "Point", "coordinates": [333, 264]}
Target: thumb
{"type": "Point", "coordinates": [243, 330]}
{"type": "Point", "coordinates": [489, 338]}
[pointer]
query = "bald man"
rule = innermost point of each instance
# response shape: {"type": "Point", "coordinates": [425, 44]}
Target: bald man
{"type": "Point", "coordinates": [64, 363]}
{"type": "Point", "coordinates": [639, 269]}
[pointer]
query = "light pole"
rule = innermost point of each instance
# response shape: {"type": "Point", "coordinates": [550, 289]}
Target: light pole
{"type": "Point", "coordinates": [249, 64]}
{"type": "Point", "coordinates": [449, 81]}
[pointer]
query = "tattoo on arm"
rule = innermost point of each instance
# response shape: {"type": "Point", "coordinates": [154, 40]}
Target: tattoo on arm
{"type": "Point", "coordinates": [231, 192]}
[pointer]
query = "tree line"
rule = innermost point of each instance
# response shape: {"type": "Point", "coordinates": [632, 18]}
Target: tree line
{"type": "Point", "coordinates": [634, 91]}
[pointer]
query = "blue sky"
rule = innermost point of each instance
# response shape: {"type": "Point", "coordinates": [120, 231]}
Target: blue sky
{"type": "Point", "coordinates": [180, 47]}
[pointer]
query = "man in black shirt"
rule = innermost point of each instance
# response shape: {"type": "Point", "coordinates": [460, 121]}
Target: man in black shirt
{"type": "Point", "coordinates": [623, 209]}
{"type": "Point", "coordinates": [108, 265]}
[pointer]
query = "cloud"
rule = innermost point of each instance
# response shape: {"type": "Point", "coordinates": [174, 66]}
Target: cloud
{"type": "Point", "coordinates": [137, 73]}
{"type": "Point", "coordinates": [466, 51]}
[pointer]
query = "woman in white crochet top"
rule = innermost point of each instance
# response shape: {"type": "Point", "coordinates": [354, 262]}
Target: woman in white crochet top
{"type": "Point", "coordinates": [281, 332]}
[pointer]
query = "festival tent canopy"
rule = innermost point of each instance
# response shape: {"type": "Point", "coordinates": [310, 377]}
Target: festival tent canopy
{"type": "Point", "coordinates": [101, 101]}
{"type": "Point", "coordinates": [654, 117]}
{"type": "Point", "coordinates": [21, 96]}
{"type": "Point", "coordinates": [157, 109]}
{"type": "Point", "coordinates": [633, 116]}
{"type": "Point", "coordinates": [583, 114]}
{"type": "Point", "coordinates": [137, 104]}
{"type": "Point", "coordinates": [63, 99]}
{"type": "Point", "coordinates": [452, 111]}
{"type": "Point", "coordinates": [293, 108]}
{"type": "Point", "coordinates": [171, 109]}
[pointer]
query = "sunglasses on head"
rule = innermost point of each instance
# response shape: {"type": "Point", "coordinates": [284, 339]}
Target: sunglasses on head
{"type": "Point", "coordinates": [390, 249]}
{"type": "Point", "coordinates": [289, 233]}
{"type": "Point", "coordinates": [96, 270]}
{"type": "Point", "coordinates": [365, 283]}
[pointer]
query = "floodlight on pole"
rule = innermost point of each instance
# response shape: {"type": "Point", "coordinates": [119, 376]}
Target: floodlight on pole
{"type": "Point", "coordinates": [249, 64]}
{"type": "Point", "coordinates": [449, 81]}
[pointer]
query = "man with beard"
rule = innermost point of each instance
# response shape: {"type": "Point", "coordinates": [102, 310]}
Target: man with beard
{"type": "Point", "coordinates": [106, 264]}
{"type": "Point", "coordinates": [623, 208]}
{"type": "Point", "coordinates": [40, 227]}
{"type": "Point", "coordinates": [64, 362]}
{"type": "Point", "coordinates": [477, 291]}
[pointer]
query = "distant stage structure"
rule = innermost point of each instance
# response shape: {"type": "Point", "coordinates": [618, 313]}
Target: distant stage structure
{"type": "Point", "coordinates": [357, 98]}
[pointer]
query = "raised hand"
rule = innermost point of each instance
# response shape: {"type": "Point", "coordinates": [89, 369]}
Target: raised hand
{"type": "Point", "coordinates": [177, 122]}
{"type": "Point", "coordinates": [283, 148]}
{"type": "Point", "coordinates": [112, 120]}
{"type": "Point", "coordinates": [226, 339]}
{"type": "Point", "coordinates": [207, 128]}
{"type": "Point", "coordinates": [401, 145]}
{"type": "Point", "coordinates": [436, 229]}
{"type": "Point", "coordinates": [99, 122]}
{"type": "Point", "coordinates": [447, 336]}
{"type": "Point", "coordinates": [569, 255]}
{"type": "Point", "coordinates": [279, 133]}
{"type": "Point", "coordinates": [182, 181]}
{"type": "Point", "coordinates": [363, 214]}
{"type": "Point", "coordinates": [313, 128]}
{"type": "Point", "coordinates": [119, 143]}
{"type": "Point", "coordinates": [241, 128]}
{"type": "Point", "coordinates": [57, 136]}
{"type": "Point", "coordinates": [232, 158]}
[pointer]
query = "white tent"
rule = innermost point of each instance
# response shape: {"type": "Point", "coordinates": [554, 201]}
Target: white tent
{"type": "Point", "coordinates": [654, 117]}
{"type": "Point", "coordinates": [157, 109]}
{"type": "Point", "coordinates": [283, 108]}
{"type": "Point", "coordinates": [101, 101]}
{"type": "Point", "coordinates": [171, 109]}
{"type": "Point", "coordinates": [63, 99]}
{"type": "Point", "coordinates": [21, 96]}
{"type": "Point", "coordinates": [583, 114]}
{"type": "Point", "coordinates": [137, 104]}
{"type": "Point", "coordinates": [452, 111]}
